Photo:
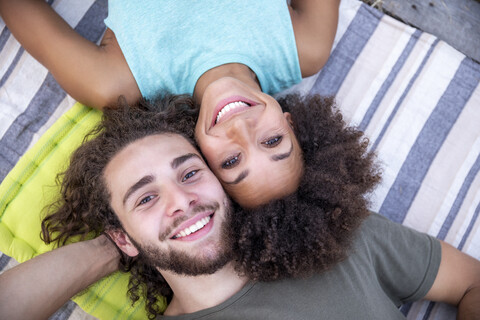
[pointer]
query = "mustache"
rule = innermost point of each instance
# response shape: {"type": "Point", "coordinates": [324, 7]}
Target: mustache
{"type": "Point", "coordinates": [213, 206]}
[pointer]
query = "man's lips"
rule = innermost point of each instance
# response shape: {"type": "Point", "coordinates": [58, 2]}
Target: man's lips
{"type": "Point", "coordinates": [229, 106]}
{"type": "Point", "coordinates": [194, 227]}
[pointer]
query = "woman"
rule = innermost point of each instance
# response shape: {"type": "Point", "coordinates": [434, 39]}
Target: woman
{"type": "Point", "coordinates": [227, 56]}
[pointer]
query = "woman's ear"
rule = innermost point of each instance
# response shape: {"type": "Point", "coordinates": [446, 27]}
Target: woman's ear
{"type": "Point", "coordinates": [123, 242]}
{"type": "Point", "coordinates": [288, 116]}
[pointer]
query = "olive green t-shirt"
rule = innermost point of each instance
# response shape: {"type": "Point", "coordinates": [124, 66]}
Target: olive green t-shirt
{"type": "Point", "coordinates": [388, 265]}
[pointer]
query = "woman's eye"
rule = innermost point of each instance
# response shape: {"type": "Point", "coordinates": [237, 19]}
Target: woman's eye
{"type": "Point", "coordinates": [145, 200]}
{"type": "Point", "coordinates": [231, 162]}
{"type": "Point", "coordinates": [272, 142]}
{"type": "Point", "coordinates": [189, 175]}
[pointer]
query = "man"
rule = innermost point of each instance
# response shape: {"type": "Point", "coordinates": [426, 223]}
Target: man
{"type": "Point", "coordinates": [162, 205]}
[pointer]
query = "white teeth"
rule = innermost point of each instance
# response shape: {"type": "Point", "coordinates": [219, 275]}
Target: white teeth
{"type": "Point", "coordinates": [230, 106]}
{"type": "Point", "coordinates": [193, 228]}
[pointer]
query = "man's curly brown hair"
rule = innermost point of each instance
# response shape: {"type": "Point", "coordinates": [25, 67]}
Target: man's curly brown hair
{"type": "Point", "coordinates": [306, 232]}
{"type": "Point", "coordinates": [83, 208]}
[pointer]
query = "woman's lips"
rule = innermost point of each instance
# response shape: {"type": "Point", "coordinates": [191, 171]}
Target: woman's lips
{"type": "Point", "coordinates": [229, 106]}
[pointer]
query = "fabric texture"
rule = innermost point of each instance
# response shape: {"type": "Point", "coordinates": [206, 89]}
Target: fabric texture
{"type": "Point", "coordinates": [176, 41]}
{"type": "Point", "coordinates": [416, 98]}
{"type": "Point", "coordinates": [389, 264]}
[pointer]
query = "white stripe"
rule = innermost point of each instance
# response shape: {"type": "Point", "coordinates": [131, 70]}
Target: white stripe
{"type": "Point", "coordinates": [63, 107]}
{"type": "Point", "coordinates": [462, 221]}
{"type": "Point", "coordinates": [448, 171]}
{"type": "Point", "coordinates": [372, 68]}
{"type": "Point", "coordinates": [19, 89]}
{"type": "Point", "coordinates": [28, 75]}
{"type": "Point", "coordinates": [347, 11]}
{"type": "Point", "coordinates": [8, 54]}
{"type": "Point", "coordinates": [72, 11]}
{"type": "Point", "coordinates": [415, 110]}
{"type": "Point", "coordinates": [472, 246]}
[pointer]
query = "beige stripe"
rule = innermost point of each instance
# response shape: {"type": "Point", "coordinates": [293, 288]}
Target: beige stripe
{"type": "Point", "coordinates": [448, 171]}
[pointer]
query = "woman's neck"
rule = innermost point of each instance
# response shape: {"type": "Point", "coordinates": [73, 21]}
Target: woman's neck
{"type": "Point", "coordinates": [234, 70]}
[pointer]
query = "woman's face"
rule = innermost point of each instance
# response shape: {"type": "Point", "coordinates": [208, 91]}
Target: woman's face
{"type": "Point", "coordinates": [248, 142]}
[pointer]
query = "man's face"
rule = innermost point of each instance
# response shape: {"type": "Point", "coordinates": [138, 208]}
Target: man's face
{"type": "Point", "coordinates": [170, 204]}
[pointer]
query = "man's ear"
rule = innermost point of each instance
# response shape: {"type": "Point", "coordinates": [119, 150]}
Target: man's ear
{"type": "Point", "coordinates": [288, 116]}
{"type": "Point", "coordinates": [123, 242]}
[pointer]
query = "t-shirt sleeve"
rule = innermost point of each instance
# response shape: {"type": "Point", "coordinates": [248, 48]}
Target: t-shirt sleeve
{"type": "Point", "coordinates": [406, 261]}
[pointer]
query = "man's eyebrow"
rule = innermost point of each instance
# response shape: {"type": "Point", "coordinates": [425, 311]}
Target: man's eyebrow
{"type": "Point", "coordinates": [140, 183]}
{"type": "Point", "coordinates": [240, 177]}
{"type": "Point", "coordinates": [179, 160]}
{"type": "Point", "coordinates": [281, 156]}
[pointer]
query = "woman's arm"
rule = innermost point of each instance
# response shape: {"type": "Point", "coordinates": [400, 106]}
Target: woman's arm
{"type": "Point", "coordinates": [314, 24]}
{"type": "Point", "coordinates": [94, 75]}
{"type": "Point", "coordinates": [458, 282]}
{"type": "Point", "coordinates": [37, 288]}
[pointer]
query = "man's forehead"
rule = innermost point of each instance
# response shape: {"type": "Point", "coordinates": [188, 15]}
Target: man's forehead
{"type": "Point", "coordinates": [152, 150]}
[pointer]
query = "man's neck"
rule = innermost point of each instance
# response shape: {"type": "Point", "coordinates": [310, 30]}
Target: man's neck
{"type": "Point", "coordinates": [194, 293]}
{"type": "Point", "coordinates": [234, 70]}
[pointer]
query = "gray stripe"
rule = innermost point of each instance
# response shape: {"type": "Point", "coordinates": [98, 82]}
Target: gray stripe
{"type": "Point", "coordinates": [4, 260]}
{"type": "Point", "coordinates": [64, 312]}
{"type": "Point", "coordinates": [469, 228]}
{"type": "Point", "coordinates": [12, 66]}
{"type": "Point", "coordinates": [17, 138]}
{"type": "Point", "coordinates": [427, 313]}
{"type": "Point", "coordinates": [452, 214]}
{"type": "Point", "coordinates": [347, 50]}
{"type": "Point", "coordinates": [404, 94]}
{"type": "Point", "coordinates": [405, 308]}
{"type": "Point", "coordinates": [4, 36]}
{"type": "Point", "coordinates": [390, 79]}
{"type": "Point", "coordinates": [91, 26]}
{"type": "Point", "coordinates": [413, 171]}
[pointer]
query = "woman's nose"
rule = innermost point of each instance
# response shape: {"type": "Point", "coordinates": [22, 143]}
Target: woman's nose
{"type": "Point", "coordinates": [242, 129]}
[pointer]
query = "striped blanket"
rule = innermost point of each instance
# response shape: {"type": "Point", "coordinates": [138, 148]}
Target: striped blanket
{"type": "Point", "coordinates": [417, 99]}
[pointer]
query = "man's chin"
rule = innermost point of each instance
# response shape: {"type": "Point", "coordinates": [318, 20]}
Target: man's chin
{"type": "Point", "coordinates": [182, 263]}
{"type": "Point", "coordinates": [199, 268]}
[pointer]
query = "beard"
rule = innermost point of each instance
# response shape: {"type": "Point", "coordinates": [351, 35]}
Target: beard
{"type": "Point", "coordinates": [208, 261]}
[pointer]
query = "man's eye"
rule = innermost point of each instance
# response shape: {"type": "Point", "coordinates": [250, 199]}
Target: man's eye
{"type": "Point", "coordinates": [189, 175]}
{"type": "Point", "coordinates": [272, 142]}
{"type": "Point", "coordinates": [145, 200]}
{"type": "Point", "coordinates": [231, 162]}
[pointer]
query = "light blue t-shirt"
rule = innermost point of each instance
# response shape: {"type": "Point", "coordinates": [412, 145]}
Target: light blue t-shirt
{"type": "Point", "coordinates": [169, 44]}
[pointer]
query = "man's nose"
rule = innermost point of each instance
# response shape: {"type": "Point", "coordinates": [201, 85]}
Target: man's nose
{"type": "Point", "coordinates": [179, 199]}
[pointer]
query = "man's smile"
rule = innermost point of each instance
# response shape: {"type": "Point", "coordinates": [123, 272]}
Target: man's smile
{"type": "Point", "coordinates": [194, 228]}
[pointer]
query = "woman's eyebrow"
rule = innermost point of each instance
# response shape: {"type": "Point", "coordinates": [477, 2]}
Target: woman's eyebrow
{"type": "Point", "coordinates": [281, 156]}
{"type": "Point", "coordinates": [240, 177]}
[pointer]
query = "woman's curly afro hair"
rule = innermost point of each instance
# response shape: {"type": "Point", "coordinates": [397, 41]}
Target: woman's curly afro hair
{"type": "Point", "coordinates": [311, 229]}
